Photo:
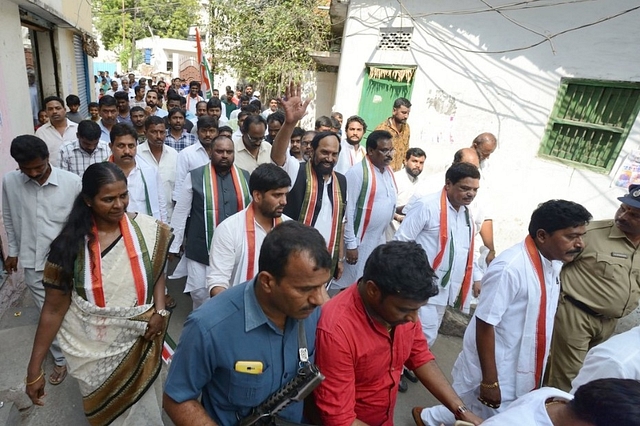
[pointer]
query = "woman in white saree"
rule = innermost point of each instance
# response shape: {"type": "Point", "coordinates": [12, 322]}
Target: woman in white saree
{"type": "Point", "coordinates": [104, 282]}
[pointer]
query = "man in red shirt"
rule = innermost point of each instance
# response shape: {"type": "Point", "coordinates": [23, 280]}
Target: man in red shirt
{"type": "Point", "coordinates": [367, 333]}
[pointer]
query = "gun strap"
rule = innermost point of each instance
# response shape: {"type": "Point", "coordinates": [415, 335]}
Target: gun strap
{"type": "Point", "coordinates": [303, 353]}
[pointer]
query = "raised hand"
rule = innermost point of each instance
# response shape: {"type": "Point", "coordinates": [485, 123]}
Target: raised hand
{"type": "Point", "coordinates": [292, 104]}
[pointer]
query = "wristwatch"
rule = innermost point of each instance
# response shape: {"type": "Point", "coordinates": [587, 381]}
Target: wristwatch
{"type": "Point", "coordinates": [162, 312]}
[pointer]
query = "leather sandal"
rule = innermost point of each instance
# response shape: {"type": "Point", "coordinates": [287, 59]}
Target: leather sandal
{"type": "Point", "coordinates": [58, 375]}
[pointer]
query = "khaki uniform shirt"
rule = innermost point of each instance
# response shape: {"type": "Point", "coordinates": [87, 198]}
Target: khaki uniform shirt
{"type": "Point", "coordinates": [400, 141]}
{"type": "Point", "coordinates": [606, 275]}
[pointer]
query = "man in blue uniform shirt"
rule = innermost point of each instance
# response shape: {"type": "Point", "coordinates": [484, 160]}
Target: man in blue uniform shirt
{"type": "Point", "coordinates": [242, 345]}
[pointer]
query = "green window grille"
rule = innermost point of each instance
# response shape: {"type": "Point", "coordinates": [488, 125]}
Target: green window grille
{"type": "Point", "coordinates": [590, 122]}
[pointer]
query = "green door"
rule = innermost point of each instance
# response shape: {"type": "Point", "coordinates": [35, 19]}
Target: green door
{"type": "Point", "coordinates": [378, 95]}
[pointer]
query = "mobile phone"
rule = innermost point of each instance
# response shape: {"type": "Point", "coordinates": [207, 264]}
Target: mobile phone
{"type": "Point", "coordinates": [249, 367]}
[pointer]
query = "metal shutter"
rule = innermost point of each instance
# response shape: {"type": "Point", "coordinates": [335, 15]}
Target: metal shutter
{"type": "Point", "coordinates": [82, 72]}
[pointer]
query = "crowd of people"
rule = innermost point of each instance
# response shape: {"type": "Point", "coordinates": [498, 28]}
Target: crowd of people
{"type": "Point", "coordinates": [268, 222]}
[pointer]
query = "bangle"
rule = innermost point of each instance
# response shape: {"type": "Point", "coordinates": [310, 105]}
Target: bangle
{"type": "Point", "coordinates": [460, 411]}
{"type": "Point", "coordinates": [38, 378]}
{"type": "Point", "coordinates": [489, 386]}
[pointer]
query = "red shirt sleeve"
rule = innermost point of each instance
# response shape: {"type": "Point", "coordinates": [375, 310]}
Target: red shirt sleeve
{"type": "Point", "coordinates": [420, 352]}
{"type": "Point", "coordinates": [336, 395]}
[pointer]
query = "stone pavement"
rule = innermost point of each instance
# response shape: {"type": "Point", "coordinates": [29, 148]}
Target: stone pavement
{"type": "Point", "coordinates": [63, 403]}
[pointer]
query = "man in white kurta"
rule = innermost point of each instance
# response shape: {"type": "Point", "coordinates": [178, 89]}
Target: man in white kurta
{"type": "Point", "coordinates": [452, 261]}
{"type": "Point", "coordinates": [146, 191]}
{"type": "Point", "coordinates": [618, 357]}
{"type": "Point", "coordinates": [515, 315]}
{"type": "Point", "coordinates": [408, 179]}
{"type": "Point", "coordinates": [372, 192]}
{"type": "Point", "coordinates": [235, 249]}
{"type": "Point", "coordinates": [351, 151]}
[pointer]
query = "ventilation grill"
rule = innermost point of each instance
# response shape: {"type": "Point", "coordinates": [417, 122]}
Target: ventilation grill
{"type": "Point", "coordinates": [395, 39]}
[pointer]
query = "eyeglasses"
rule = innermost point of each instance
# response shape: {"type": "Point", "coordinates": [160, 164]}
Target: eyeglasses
{"type": "Point", "coordinates": [387, 151]}
{"type": "Point", "coordinates": [254, 140]}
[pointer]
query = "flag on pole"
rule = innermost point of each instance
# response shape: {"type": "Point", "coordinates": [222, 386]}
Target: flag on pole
{"type": "Point", "coordinates": [206, 79]}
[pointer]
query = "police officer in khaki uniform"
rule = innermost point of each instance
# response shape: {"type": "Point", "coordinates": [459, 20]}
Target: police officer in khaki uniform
{"type": "Point", "coordinates": [601, 285]}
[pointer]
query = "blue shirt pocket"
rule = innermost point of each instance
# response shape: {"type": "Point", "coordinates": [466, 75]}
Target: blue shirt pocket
{"type": "Point", "coordinates": [249, 390]}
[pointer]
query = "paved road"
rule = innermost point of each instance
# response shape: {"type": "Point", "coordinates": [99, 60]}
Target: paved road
{"type": "Point", "coordinates": [63, 404]}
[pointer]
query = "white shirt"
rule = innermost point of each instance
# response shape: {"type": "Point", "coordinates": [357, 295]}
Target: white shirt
{"type": "Point", "coordinates": [504, 303]}
{"type": "Point", "coordinates": [166, 168]}
{"type": "Point", "coordinates": [159, 112]}
{"type": "Point", "coordinates": [248, 162]}
{"type": "Point", "coordinates": [528, 410]}
{"type": "Point", "coordinates": [55, 140]}
{"type": "Point", "coordinates": [138, 195]}
{"type": "Point", "coordinates": [227, 250]}
{"type": "Point", "coordinates": [193, 102]}
{"type": "Point", "coordinates": [422, 225]}
{"type": "Point", "coordinates": [618, 357]}
{"type": "Point", "coordinates": [349, 155]}
{"type": "Point", "coordinates": [407, 185]}
{"type": "Point", "coordinates": [325, 215]}
{"type": "Point", "coordinates": [34, 214]}
{"type": "Point", "coordinates": [189, 158]}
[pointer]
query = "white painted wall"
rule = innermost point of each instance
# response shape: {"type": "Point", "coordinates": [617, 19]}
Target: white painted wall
{"type": "Point", "coordinates": [459, 94]}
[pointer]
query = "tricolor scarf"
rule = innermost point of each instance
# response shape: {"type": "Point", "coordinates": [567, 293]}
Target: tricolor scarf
{"type": "Point", "coordinates": [541, 326]}
{"type": "Point", "coordinates": [88, 271]}
{"type": "Point", "coordinates": [337, 209]}
{"type": "Point", "coordinates": [462, 298]}
{"type": "Point", "coordinates": [249, 258]}
{"type": "Point", "coordinates": [211, 196]}
{"type": "Point", "coordinates": [364, 205]}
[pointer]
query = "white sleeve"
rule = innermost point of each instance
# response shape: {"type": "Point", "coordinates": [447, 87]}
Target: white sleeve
{"type": "Point", "coordinates": [180, 214]}
{"type": "Point", "coordinates": [222, 257]}
{"type": "Point", "coordinates": [12, 240]}
{"type": "Point", "coordinates": [599, 364]}
{"type": "Point", "coordinates": [414, 222]}
{"type": "Point", "coordinates": [292, 167]}
{"type": "Point", "coordinates": [354, 185]}
{"type": "Point", "coordinates": [162, 203]}
{"type": "Point", "coordinates": [182, 166]}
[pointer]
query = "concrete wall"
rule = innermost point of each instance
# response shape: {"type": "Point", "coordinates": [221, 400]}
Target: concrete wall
{"type": "Point", "coordinates": [458, 94]}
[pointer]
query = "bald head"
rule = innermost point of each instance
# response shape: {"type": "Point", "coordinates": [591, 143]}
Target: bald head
{"type": "Point", "coordinates": [466, 155]}
{"type": "Point", "coordinates": [484, 144]}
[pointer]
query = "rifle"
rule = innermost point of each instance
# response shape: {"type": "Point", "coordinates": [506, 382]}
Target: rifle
{"type": "Point", "coordinates": [307, 379]}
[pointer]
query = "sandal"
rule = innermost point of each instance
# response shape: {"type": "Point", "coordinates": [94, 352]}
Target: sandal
{"type": "Point", "coordinates": [58, 375]}
{"type": "Point", "coordinates": [169, 302]}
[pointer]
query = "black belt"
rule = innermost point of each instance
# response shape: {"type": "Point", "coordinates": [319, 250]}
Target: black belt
{"type": "Point", "coordinates": [583, 307]}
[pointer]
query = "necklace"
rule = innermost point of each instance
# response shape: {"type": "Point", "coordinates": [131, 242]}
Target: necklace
{"type": "Point", "coordinates": [554, 402]}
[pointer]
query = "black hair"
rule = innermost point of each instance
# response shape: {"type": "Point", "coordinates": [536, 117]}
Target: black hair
{"type": "Point", "coordinates": [315, 142]}
{"type": "Point", "coordinates": [93, 105]}
{"type": "Point", "coordinates": [253, 119]}
{"type": "Point", "coordinates": [244, 98]}
{"type": "Point", "coordinates": [297, 132]}
{"type": "Point", "coordinates": [65, 247]}
{"type": "Point", "coordinates": [358, 119]}
{"type": "Point", "coordinates": [197, 103]}
{"type": "Point", "coordinates": [153, 120]}
{"type": "Point", "coordinates": [121, 96]}
{"type": "Point", "coordinates": [225, 129]}
{"type": "Point", "coordinates": [276, 116]}
{"type": "Point", "coordinates": [214, 103]}
{"type": "Point", "coordinates": [175, 111]}
{"type": "Point", "coordinates": [107, 100]}
{"type": "Point", "coordinates": [207, 122]}
{"type": "Point", "coordinates": [251, 109]}
{"type": "Point", "coordinates": [243, 114]}
{"type": "Point", "coordinates": [89, 130]}
{"type": "Point", "coordinates": [401, 268]}
{"type": "Point", "coordinates": [401, 102]}
{"type": "Point", "coordinates": [415, 152]}
{"type": "Point", "coordinates": [194, 83]}
{"type": "Point", "coordinates": [257, 104]}
{"type": "Point", "coordinates": [459, 171]}
{"type": "Point", "coordinates": [25, 148]}
{"type": "Point", "coordinates": [267, 177]}
{"type": "Point", "coordinates": [377, 136]}
{"type": "Point", "coordinates": [554, 215]}
{"type": "Point", "coordinates": [290, 238]}
{"type": "Point", "coordinates": [122, 129]}
{"type": "Point", "coordinates": [136, 109]}
{"type": "Point", "coordinates": [335, 124]}
{"type": "Point", "coordinates": [152, 91]}
{"type": "Point", "coordinates": [323, 121]}
{"type": "Point", "coordinates": [605, 402]}
{"type": "Point", "coordinates": [173, 96]}
{"type": "Point", "coordinates": [336, 114]}
{"type": "Point", "coordinates": [138, 89]}
{"type": "Point", "coordinates": [52, 98]}
{"type": "Point", "coordinates": [72, 100]}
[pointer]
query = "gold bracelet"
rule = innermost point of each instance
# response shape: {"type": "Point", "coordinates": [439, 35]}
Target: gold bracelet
{"type": "Point", "coordinates": [39, 377]}
{"type": "Point", "coordinates": [489, 386]}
